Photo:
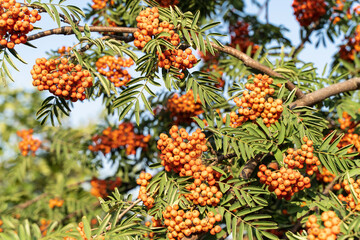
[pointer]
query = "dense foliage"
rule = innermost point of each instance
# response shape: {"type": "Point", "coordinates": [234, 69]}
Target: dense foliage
{"type": "Point", "coordinates": [214, 127]}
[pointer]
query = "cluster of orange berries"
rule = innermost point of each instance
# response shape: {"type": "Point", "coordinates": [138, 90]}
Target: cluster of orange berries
{"type": "Point", "coordinates": [240, 37]}
{"type": "Point", "coordinates": [28, 144]}
{"type": "Point", "coordinates": [308, 11]}
{"type": "Point", "coordinates": [304, 155]}
{"type": "Point", "coordinates": [350, 138]}
{"type": "Point", "coordinates": [15, 22]}
{"type": "Point", "coordinates": [56, 202]}
{"type": "Point", "coordinates": [349, 198]}
{"type": "Point", "coordinates": [180, 223]}
{"type": "Point", "coordinates": [284, 182]}
{"type": "Point", "coordinates": [349, 50]}
{"type": "Point", "coordinates": [123, 136]}
{"type": "Point", "coordinates": [1, 223]}
{"type": "Point", "coordinates": [64, 51]}
{"type": "Point", "coordinates": [44, 224]}
{"type": "Point", "coordinates": [326, 176]}
{"type": "Point", "coordinates": [183, 108]}
{"type": "Point", "coordinates": [331, 226]}
{"type": "Point", "coordinates": [177, 58]}
{"type": "Point", "coordinates": [154, 223]}
{"type": "Point", "coordinates": [113, 69]}
{"type": "Point", "coordinates": [180, 148]}
{"type": "Point", "coordinates": [61, 78]}
{"type": "Point", "coordinates": [346, 122]}
{"type": "Point", "coordinates": [255, 102]}
{"type": "Point", "coordinates": [181, 153]}
{"type": "Point", "coordinates": [143, 181]}
{"type": "Point", "coordinates": [167, 3]}
{"type": "Point", "coordinates": [339, 11]}
{"type": "Point", "coordinates": [148, 26]}
{"type": "Point", "coordinates": [100, 4]}
{"type": "Point", "coordinates": [102, 188]}
{"type": "Point", "coordinates": [203, 191]}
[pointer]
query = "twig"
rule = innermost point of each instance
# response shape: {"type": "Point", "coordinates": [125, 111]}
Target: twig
{"type": "Point", "coordinates": [128, 209]}
{"type": "Point", "coordinates": [30, 202]}
{"type": "Point", "coordinates": [306, 39]}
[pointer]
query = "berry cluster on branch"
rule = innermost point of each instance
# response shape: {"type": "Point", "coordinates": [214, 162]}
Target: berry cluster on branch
{"type": "Point", "coordinates": [143, 181]}
{"type": "Point", "coordinates": [100, 4]}
{"type": "Point", "coordinates": [284, 182]}
{"type": "Point", "coordinates": [55, 202]}
{"type": "Point", "coordinates": [114, 69]}
{"type": "Point", "coordinates": [122, 137]}
{"type": "Point", "coordinates": [330, 230]}
{"type": "Point", "coordinates": [349, 199]}
{"type": "Point", "coordinates": [256, 102]}
{"type": "Point", "coordinates": [180, 223]}
{"type": "Point", "coordinates": [183, 108]}
{"type": "Point", "coordinates": [342, 10]}
{"type": "Point", "coordinates": [28, 143]}
{"type": "Point", "coordinates": [304, 155]}
{"type": "Point", "coordinates": [180, 148]}
{"type": "Point", "coordinates": [308, 11]}
{"type": "Point", "coordinates": [15, 22]}
{"type": "Point", "coordinates": [326, 176]}
{"type": "Point", "coordinates": [44, 224]}
{"type": "Point", "coordinates": [64, 51]}
{"type": "Point", "coordinates": [181, 153]}
{"type": "Point", "coordinates": [240, 37]}
{"type": "Point", "coordinates": [177, 58]}
{"type": "Point", "coordinates": [61, 78]}
{"type": "Point", "coordinates": [149, 25]}
{"type": "Point", "coordinates": [349, 50]}
{"type": "Point", "coordinates": [347, 124]}
{"type": "Point", "coordinates": [102, 188]}
{"type": "Point", "coordinates": [167, 3]}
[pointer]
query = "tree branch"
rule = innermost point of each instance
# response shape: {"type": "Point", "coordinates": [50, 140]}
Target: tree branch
{"type": "Point", "coordinates": [323, 93]}
{"type": "Point", "coordinates": [30, 202]}
{"type": "Point", "coordinates": [69, 30]}
{"type": "Point", "coordinates": [250, 166]}
{"type": "Point", "coordinates": [248, 61]}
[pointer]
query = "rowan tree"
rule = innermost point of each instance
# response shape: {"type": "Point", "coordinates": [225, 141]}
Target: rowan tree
{"type": "Point", "coordinates": [211, 131]}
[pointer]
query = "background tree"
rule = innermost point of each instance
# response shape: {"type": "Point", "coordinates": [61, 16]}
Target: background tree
{"type": "Point", "coordinates": [229, 134]}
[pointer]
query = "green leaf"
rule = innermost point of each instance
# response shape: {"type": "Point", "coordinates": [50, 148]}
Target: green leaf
{"type": "Point", "coordinates": [87, 228]}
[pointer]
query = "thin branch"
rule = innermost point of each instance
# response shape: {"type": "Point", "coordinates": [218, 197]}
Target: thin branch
{"type": "Point", "coordinates": [128, 209]}
{"type": "Point", "coordinates": [306, 39]}
{"type": "Point", "coordinates": [30, 202]}
{"type": "Point", "coordinates": [323, 93]}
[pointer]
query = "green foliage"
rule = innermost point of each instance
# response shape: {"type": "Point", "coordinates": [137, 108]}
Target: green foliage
{"type": "Point", "coordinates": [65, 168]}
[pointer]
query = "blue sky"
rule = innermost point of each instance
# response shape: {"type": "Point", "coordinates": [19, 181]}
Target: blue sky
{"type": "Point", "coordinates": [280, 12]}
